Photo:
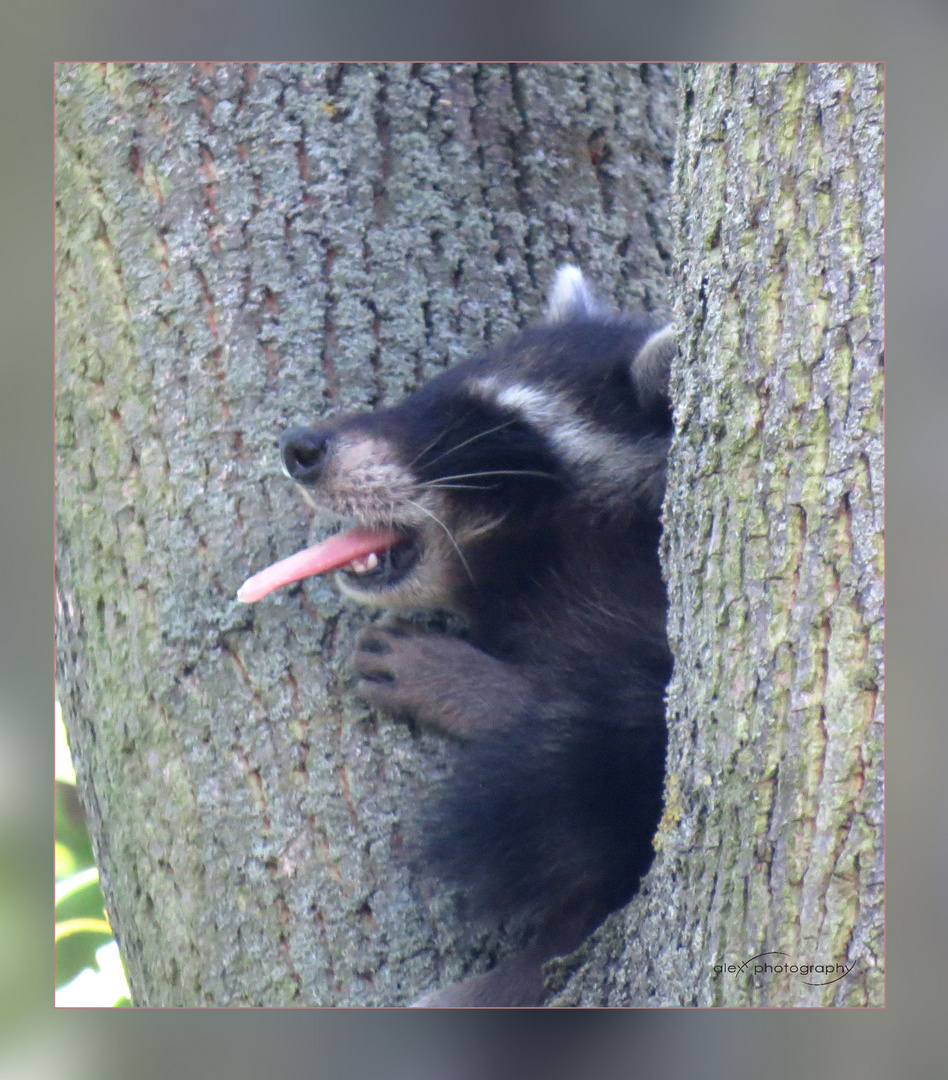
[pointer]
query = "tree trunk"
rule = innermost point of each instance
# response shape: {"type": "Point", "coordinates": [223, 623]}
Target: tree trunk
{"type": "Point", "coordinates": [240, 248]}
{"type": "Point", "coordinates": [772, 837]}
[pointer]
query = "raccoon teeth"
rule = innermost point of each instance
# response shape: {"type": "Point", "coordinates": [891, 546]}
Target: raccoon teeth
{"type": "Point", "coordinates": [364, 563]}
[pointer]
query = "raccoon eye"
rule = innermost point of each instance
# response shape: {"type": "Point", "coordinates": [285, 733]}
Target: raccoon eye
{"type": "Point", "coordinates": [303, 451]}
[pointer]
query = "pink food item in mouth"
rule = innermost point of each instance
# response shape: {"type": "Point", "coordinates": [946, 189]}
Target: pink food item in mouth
{"type": "Point", "coordinates": [331, 554]}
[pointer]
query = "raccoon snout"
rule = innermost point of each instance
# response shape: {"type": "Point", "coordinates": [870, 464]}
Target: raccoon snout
{"type": "Point", "coordinates": [304, 453]}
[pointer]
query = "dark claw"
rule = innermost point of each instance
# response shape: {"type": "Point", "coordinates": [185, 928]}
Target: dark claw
{"type": "Point", "coordinates": [373, 642]}
{"type": "Point", "coordinates": [379, 677]}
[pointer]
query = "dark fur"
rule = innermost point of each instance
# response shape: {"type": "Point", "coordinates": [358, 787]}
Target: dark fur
{"type": "Point", "coordinates": [558, 691]}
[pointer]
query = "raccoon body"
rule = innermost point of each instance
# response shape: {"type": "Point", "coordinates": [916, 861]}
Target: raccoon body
{"type": "Point", "coordinates": [522, 490]}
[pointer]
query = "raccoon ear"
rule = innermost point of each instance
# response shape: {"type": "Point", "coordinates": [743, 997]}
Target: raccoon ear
{"type": "Point", "coordinates": [571, 298]}
{"type": "Point", "coordinates": [651, 366]}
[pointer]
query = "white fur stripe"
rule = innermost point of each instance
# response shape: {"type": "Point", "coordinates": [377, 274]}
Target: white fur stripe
{"type": "Point", "coordinates": [604, 459]}
{"type": "Point", "coordinates": [556, 417]}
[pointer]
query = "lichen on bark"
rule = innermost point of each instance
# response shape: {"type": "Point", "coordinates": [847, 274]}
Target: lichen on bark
{"type": "Point", "coordinates": [772, 838]}
{"type": "Point", "coordinates": [241, 247]}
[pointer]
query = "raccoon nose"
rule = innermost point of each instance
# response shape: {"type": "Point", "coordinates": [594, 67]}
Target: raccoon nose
{"type": "Point", "coordinates": [304, 451]}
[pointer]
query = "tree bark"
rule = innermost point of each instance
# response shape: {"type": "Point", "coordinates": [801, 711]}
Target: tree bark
{"type": "Point", "coordinates": [239, 248]}
{"type": "Point", "coordinates": [772, 837]}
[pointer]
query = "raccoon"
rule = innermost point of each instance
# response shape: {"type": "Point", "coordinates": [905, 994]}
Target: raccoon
{"type": "Point", "coordinates": [522, 490]}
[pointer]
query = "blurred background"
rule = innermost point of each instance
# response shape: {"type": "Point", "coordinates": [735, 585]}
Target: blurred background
{"type": "Point", "coordinates": [908, 1037]}
{"type": "Point", "coordinates": [88, 966]}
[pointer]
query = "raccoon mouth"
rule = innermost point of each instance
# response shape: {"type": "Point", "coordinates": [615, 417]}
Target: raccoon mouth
{"type": "Point", "coordinates": [371, 558]}
{"type": "Point", "coordinates": [386, 568]}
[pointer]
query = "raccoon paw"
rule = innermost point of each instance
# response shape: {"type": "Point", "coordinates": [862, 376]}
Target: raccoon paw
{"type": "Point", "coordinates": [441, 682]}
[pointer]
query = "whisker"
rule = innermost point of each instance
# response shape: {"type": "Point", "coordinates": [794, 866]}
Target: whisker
{"type": "Point", "coordinates": [436, 519]}
{"type": "Point", "coordinates": [438, 486]}
{"type": "Point", "coordinates": [452, 423]}
{"type": "Point", "coordinates": [493, 472]}
{"type": "Point", "coordinates": [467, 442]}
{"type": "Point", "coordinates": [433, 442]}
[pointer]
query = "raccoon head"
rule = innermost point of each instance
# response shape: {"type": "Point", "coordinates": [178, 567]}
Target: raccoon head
{"type": "Point", "coordinates": [473, 474]}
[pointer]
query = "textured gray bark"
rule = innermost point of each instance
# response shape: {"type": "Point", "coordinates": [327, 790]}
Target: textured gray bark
{"type": "Point", "coordinates": [240, 248]}
{"type": "Point", "coordinates": [772, 836]}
